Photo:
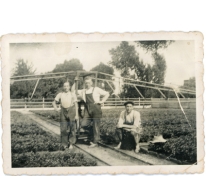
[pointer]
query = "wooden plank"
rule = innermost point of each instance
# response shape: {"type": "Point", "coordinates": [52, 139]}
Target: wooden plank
{"type": "Point", "coordinates": [138, 91]}
{"type": "Point", "coordinates": [162, 93]}
{"type": "Point", "coordinates": [35, 88]}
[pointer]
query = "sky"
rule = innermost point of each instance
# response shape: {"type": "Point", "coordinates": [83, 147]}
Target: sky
{"type": "Point", "coordinates": [179, 56]}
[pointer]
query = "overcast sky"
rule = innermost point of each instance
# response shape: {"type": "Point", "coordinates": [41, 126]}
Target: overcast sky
{"type": "Point", "coordinates": [179, 56]}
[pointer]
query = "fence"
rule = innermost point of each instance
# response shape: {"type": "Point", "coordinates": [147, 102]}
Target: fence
{"type": "Point", "coordinates": [114, 102]}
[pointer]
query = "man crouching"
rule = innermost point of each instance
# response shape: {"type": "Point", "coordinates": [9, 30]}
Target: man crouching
{"type": "Point", "coordinates": [129, 121]}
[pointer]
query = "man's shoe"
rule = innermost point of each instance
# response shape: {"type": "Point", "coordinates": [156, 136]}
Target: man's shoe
{"type": "Point", "coordinates": [71, 147]}
{"type": "Point", "coordinates": [118, 147]}
{"type": "Point", "coordinates": [63, 148]}
{"type": "Point", "coordinates": [92, 145]}
{"type": "Point", "coordinates": [137, 149]}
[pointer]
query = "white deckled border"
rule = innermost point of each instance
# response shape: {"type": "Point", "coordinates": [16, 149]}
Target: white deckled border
{"type": "Point", "coordinates": [92, 37]}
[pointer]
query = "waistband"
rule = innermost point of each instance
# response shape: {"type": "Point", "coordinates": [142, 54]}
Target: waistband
{"type": "Point", "coordinates": [94, 103]}
{"type": "Point", "coordinates": [67, 108]}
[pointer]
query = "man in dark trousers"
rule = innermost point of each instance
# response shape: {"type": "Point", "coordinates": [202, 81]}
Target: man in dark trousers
{"type": "Point", "coordinates": [129, 121]}
{"type": "Point", "coordinates": [68, 115]}
{"type": "Point", "coordinates": [91, 96]}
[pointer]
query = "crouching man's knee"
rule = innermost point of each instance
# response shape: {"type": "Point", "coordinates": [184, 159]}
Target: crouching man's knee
{"type": "Point", "coordinates": [118, 130]}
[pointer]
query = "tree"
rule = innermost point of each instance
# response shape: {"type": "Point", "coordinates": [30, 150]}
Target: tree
{"type": "Point", "coordinates": [124, 58]}
{"type": "Point", "coordinates": [23, 68]}
{"type": "Point", "coordinates": [104, 69]}
{"type": "Point", "coordinates": [71, 65]}
{"type": "Point", "coordinates": [154, 46]}
{"type": "Point", "coordinates": [22, 89]}
{"type": "Point", "coordinates": [189, 84]}
{"type": "Point", "coordinates": [159, 67]}
{"type": "Point", "coordinates": [48, 88]}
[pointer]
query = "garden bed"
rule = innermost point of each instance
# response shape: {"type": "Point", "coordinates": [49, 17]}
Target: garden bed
{"type": "Point", "coordinates": [31, 146]}
{"type": "Point", "coordinates": [171, 123]}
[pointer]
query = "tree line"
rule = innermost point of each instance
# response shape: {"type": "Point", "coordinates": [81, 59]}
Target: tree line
{"type": "Point", "coordinates": [124, 58]}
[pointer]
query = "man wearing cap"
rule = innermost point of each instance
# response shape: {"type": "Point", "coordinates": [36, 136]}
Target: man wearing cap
{"type": "Point", "coordinates": [129, 121]}
{"type": "Point", "coordinates": [91, 96]}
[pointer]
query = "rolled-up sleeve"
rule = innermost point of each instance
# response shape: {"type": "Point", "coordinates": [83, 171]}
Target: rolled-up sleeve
{"type": "Point", "coordinates": [102, 92]}
{"type": "Point", "coordinates": [79, 94]}
{"type": "Point", "coordinates": [57, 98]}
{"type": "Point", "coordinates": [74, 97]}
{"type": "Point", "coordinates": [137, 119]}
{"type": "Point", "coordinates": [121, 118]}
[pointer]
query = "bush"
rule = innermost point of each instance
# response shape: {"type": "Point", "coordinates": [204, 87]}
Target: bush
{"type": "Point", "coordinates": [170, 123]}
{"type": "Point", "coordinates": [26, 137]}
{"type": "Point", "coordinates": [46, 159]}
{"type": "Point", "coordinates": [29, 143]}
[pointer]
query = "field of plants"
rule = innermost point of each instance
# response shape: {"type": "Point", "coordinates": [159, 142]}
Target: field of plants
{"type": "Point", "coordinates": [31, 146]}
{"type": "Point", "coordinates": [171, 123]}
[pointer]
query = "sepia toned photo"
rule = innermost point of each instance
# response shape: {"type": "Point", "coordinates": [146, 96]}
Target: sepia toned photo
{"type": "Point", "coordinates": [102, 103]}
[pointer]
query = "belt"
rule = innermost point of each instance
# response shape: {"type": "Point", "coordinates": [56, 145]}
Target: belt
{"type": "Point", "coordinates": [67, 108]}
{"type": "Point", "coordinates": [93, 103]}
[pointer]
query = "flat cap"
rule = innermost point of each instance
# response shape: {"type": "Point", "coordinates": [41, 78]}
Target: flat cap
{"type": "Point", "coordinates": [128, 102]}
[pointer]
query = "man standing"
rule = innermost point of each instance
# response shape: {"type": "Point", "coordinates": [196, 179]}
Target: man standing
{"type": "Point", "coordinates": [91, 96]}
{"type": "Point", "coordinates": [68, 115]}
{"type": "Point", "coordinates": [129, 121]}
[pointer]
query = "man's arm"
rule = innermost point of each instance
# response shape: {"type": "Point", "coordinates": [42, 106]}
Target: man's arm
{"type": "Point", "coordinates": [54, 102]}
{"type": "Point", "coordinates": [128, 126]}
{"type": "Point", "coordinates": [105, 95]}
{"type": "Point", "coordinates": [74, 99]}
{"type": "Point", "coordinates": [79, 92]}
{"type": "Point", "coordinates": [77, 114]}
{"type": "Point", "coordinates": [121, 123]}
{"type": "Point", "coordinates": [121, 120]}
{"type": "Point", "coordinates": [54, 105]}
{"type": "Point", "coordinates": [137, 123]}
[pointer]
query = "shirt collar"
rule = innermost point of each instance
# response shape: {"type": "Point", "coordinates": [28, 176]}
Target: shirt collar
{"type": "Point", "coordinates": [89, 89]}
{"type": "Point", "coordinates": [129, 113]}
{"type": "Point", "coordinates": [66, 92]}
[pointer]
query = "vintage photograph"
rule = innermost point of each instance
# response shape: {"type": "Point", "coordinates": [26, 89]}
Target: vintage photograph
{"type": "Point", "coordinates": [114, 103]}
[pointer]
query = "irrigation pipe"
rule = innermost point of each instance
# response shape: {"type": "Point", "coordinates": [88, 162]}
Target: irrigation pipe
{"type": "Point", "coordinates": [182, 108]}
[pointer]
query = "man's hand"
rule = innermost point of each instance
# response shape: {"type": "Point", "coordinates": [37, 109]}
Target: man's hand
{"type": "Point", "coordinates": [77, 121]}
{"type": "Point", "coordinates": [119, 126]}
{"type": "Point", "coordinates": [76, 117]}
{"type": "Point", "coordinates": [100, 102]}
{"type": "Point", "coordinates": [127, 129]}
{"type": "Point", "coordinates": [57, 110]}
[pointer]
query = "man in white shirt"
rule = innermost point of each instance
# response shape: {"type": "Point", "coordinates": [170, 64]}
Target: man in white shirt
{"type": "Point", "coordinates": [91, 96]}
{"type": "Point", "coordinates": [68, 115]}
{"type": "Point", "coordinates": [129, 121]}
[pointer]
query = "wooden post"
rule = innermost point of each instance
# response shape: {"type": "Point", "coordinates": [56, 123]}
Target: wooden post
{"type": "Point", "coordinates": [35, 88]}
{"type": "Point", "coordinates": [188, 106]}
{"type": "Point", "coordinates": [25, 104]}
{"type": "Point", "coordinates": [95, 85]}
{"type": "Point", "coordinates": [76, 92]}
{"type": "Point", "coordinates": [43, 102]}
{"type": "Point", "coordinates": [139, 101]}
{"type": "Point", "coordinates": [83, 83]}
{"type": "Point", "coordinates": [143, 103]}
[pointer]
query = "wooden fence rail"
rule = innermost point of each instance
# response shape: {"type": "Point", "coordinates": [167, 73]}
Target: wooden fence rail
{"type": "Point", "coordinates": [154, 102]}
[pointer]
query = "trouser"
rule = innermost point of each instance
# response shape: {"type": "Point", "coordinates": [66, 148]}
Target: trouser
{"type": "Point", "coordinates": [68, 125]}
{"type": "Point", "coordinates": [121, 132]}
{"type": "Point", "coordinates": [92, 120]}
